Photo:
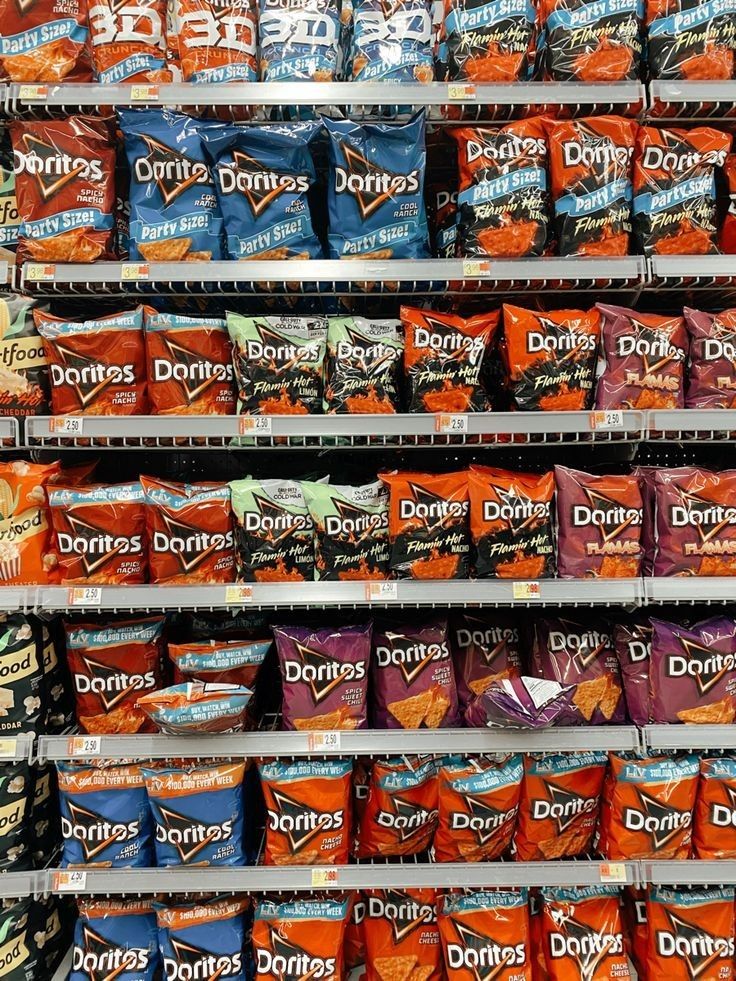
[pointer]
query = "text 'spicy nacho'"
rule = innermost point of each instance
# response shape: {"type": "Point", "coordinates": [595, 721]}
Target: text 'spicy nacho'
{"type": "Point", "coordinates": [45, 41]}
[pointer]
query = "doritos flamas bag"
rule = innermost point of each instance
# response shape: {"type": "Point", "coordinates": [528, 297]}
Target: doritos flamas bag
{"type": "Point", "coordinates": [45, 41]}
{"type": "Point", "coordinates": [401, 934]}
{"type": "Point", "coordinates": [691, 934]}
{"type": "Point", "coordinates": [27, 551]}
{"type": "Point", "coordinates": [582, 934]}
{"type": "Point", "coordinates": [400, 816]}
{"type": "Point", "coordinates": [714, 829]}
{"type": "Point", "coordinates": [487, 935]}
{"type": "Point", "coordinates": [587, 41]}
{"type": "Point", "coordinates": [305, 932]}
{"type": "Point", "coordinates": [486, 647]}
{"type": "Point", "coordinates": [711, 382]}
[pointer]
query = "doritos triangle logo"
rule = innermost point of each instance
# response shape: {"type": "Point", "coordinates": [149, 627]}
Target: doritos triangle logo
{"type": "Point", "coordinates": [198, 374]}
{"type": "Point", "coordinates": [94, 557]}
{"type": "Point", "coordinates": [51, 176]}
{"type": "Point", "coordinates": [371, 185]}
{"type": "Point", "coordinates": [588, 947]}
{"type": "Point", "coordinates": [711, 666]}
{"type": "Point", "coordinates": [404, 913]}
{"type": "Point", "coordinates": [92, 830]}
{"type": "Point", "coordinates": [110, 683]}
{"type": "Point", "coordinates": [483, 956]}
{"type": "Point", "coordinates": [485, 821]}
{"type": "Point", "coordinates": [406, 818]}
{"type": "Point", "coordinates": [259, 184]}
{"type": "Point", "coordinates": [288, 962]}
{"type": "Point", "coordinates": [351, 522]}
{"type": "Point", "coordinates": [24, 7]}
{"type": "Point", "coordinates": [663, 823]}
{"type": "Point", "coordinates": [99, 959]}
{"type": "Point", "coordinates": [611, 517]}
{"type": "Point", "coordinates": [187, 835]}
{"type": "Point", "coordinates": [299, 822]}
{"type": "Point", "coordinates": [709, 517]}
{"type": "Point", "coordinates": [693, 947]}
{"type": "Point", "coordinates": [172, 172]}
{"type": "Point", "coordinates": [429, 510]}
{"type": "Point", "coordinates": [322, 672]}
{"type": "Point", "coordinates": [190, 962]}
{"type": "Point", "coordinates": [189, 544]}
{"type": "Point", "coordinates": [515, 508]}
{"type": "Point", "coordinates": [563, 806]}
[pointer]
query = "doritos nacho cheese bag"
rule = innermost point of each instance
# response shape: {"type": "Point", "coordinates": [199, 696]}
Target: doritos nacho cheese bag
{"type": "Point", "coordinates": [502, 200]}
{"type": "Point", "coordinates": [401, 935]}
{"type": "Point", "coordinates": [174, 214]}
{"type": "Point", "coordinates": [727, 240]}
{"type": "Point", "coordinates": [299, 938]}
{"type": "Point", "coordinates": [714, 830]}
{"type": "Point", "coordinates": [324, 673]}
{"type": "Point", "coordinates": [560, 800]}
{"type": "Point", "coordinates": [97, 367]}
{"type": "Point", "coordinates": [590, 169]}
{"type": "Point", "coordinates": [197, 707]}
{"type": "Point", "coordinates": [486, 935]}
{"type": "Point", "coordinates": [204, 940]}
{"type": "Point", "coordinates": [117, 933]}
{"type": "Point", "coordinates": [376, 190]}
{"type": "Point", "coordinates": [197, 814]}
{"type": "Point", "coordinates": [308, 819]}
{"type": "Point", "coordinates": [300, 40]}
{"type": "Point", "coordinates": [632, 638]}
{"type": "Point", "coordinates": [27, 552]}
{"type": "Point", "coordinates": [400, 816]}
{"type": "Point", "coordinates": [363, 365]}
{"type": "Point", "coordinates": [511, 523]}
{"type": "Point", "coordinates": [64, 187]}
{"type": "Point", "coordinates": [225, 662]}
{"type": "Point", "coordinates": [645, 357]}
{"type": "Point", "coordinates": [428, 524]}
{"type": "Point", "coordinates": [45, 41]}
{"type": "Point", "coordinates": [190, 369]}
{"type": "Point", "coordinates": [691, 934]}
{"type": "Point", "coordinates": [488, 43]}
{"type": "Point", "coordinates": [391, 43]}
{"type": "Point", "coordinates": [100, 533]}
{"type": "Point", "coordinates": [486, 647]}
{"type": "Point", "coordinates": [478, 805]}
{"type": "Point", "coordinates": [550, 358]}
{"type": "Point", "coordinates": [689, 40]}
{"type": "Point", "coordinates": [24, 375]}
{"type": "Point", "coordinates": [711, 380]}
{"type": "Point", "coordinates": [582, 934]}
{"type": "Point", "coordinates": [111, 666]}
{"type": "Point", "coordinates": [587, 41]}
{"type": "Point", "coordinates": [217, 42]}
{"type": "Point", "coordinates": [444, 359]}
{"type": "Point", "coordinates": [675, 189]}
{"type": "Point", "coordinates": [648, 811]}
{"type": "Point", "coordinates": [128, 41]}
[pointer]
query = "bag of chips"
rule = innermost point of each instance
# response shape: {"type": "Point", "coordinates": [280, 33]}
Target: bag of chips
{"type": "Point", "coordinates": [443, 218]}
{"type": "Point", "coordinates": [128, 41]}
{"type": "Point", "coordinates": [714, 828]}
{"type": "Point", "coordinates": [354, 947]}
{"type": "Point", "coordinates": [632, 639]}
{"type": "Point", "coordinates": [310, 930]}
{"type": "Point", "coordinates": [727, 240]}
{"type": "Point", "coordinates": [27, 550]}
{"type": "Point", "coordinates": [400, 816]}
{"type": "Point", "coordinates": [45, 41]}
{"type": "Point", "coordinates": [225, 662]}
{"type": "Point", "coordinates": [363, 365]}
{"type": "Point", "coordinates": [197, 706]}
{"type": "Point", "coordinates": [486, 647]}
{"type": "Point", "coordinates": [115, 931]}
{"type": "Point", "coordinates": [401, 935]}
{"type": "Point", "coordinates": [391, 43]}
{"type": "Point", "coordinates": [521, 702]}
{"type": "Point", "coordinates": [208, 937]}
{"type": "Point", "coordinates": [22, 689]}
{"type": "Point", "coordinates": [689, 41]}
{"type": "Point", "coordinates": [487, 43]}
{"type": "Point", "coordinates": [300, 39]}
{"type": "Point", "coordinates": [711, 382]}
{"type": "Point", "coordinates": [586, 41]}
{"type": "Point", "coordinates": [17, 793]}
{"type": "Point", "coordinates": [24, 374]}
{"type": "Point", "coordinates": [216, 41]}
{"type": "Point", "coordinates": [583, 933]}
{"type": "Point", "coordinates": [691, 933]}
{"type": "Point", "coordinates": [486, 934]}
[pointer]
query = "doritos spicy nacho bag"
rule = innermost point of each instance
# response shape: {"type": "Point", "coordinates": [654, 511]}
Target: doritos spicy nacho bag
{"type": "Point", "coordinates": [307, 811]}
{"type": "Point", "coordinates": [401, 935]}
{"type": "Point", "coordinates": [376, 190]}
{"type": "Point", "coordinates": [174, 214]}
{"type": "Point", "coordinates": [412, 676]}
{"type": "Point", "coordinates": [727, 239]}
{"type": "Point", "coordinates": [351, 530]}
{"type": "Point", "coordinates": [400, 816]}
{"type": "Point", "coordinates": [363, 365]}
{"type": "Point", "coordinates": [645, 356]}
{"type": "Point", "coordinates": [128, 41]}
{"type": "Point", "coordinates": [22, 694]}
{"type": "Point", "coordinates": [227, 662]}
{"type": "Point", "coordinates": [486, 646]}
{"type": "Point", "coordinates": [711, 380]}
{"type": "Point", "coordinates": [196, 707]}
{"type": "Point", "coordinates": [632, 639]}
{"type": "Point", "coordinates": [511, 523]}
{"type": "Point", "coordinates": [190, 369]}
{"type": "Point", "coordinates": [262, 177]}
{"type": "Point", "coordinates": [478, 805]}
{"type": "Point", "coordinates": [45, 41]}
{"type": "Point", "coordinates": [97, 367]}
{"type": "Point", "coordinates": [217, 41]}
{"type": "Point", "coordinates": [590, 169]}
{"type": "Point", "coordinates": [558, 810]}
{"type": "Point", "coordinates": [485, 43]}
{"type": "Point", "coordinates": [690, 40]}
{"type": "Point", "coordinates": [428, 524]}
{"type": "Point", "coordinates": [117, 933]}
{"type": "Point", "coordinates": [111, 667]}
{"type": "Point", "coordinates": [299, 40]}
{"type": "Point", "coordinates": [27, 550]}
{"type": "Point", "coordinates": [502, 200]}
{"type": "Point", "coordinates": [444, 358]}
{"type": "Point", "coordinates": [324, 674]}
{"type": "Point", "coordinates": [550, 358]}
{"type": "Point", "coordinates": [648, 809]}
{"type": "Point", "coordinates": [486, 935]}
{"type": "Point", "coordinates": [307, 933]}
{"type": "Point", "coordinates": [24, 374]}
{"type": "Point", "coordinates": [691, 933]}
{"type": "Point", "coordinates": [197, 814]}
{"type": "Point", "coordinates": [696, 522]}
{"type": "Point", "coordinates": [391, 43]}
{"type": "Point", "coordinates": [64, 187]}
{"type": "Point", "coordinates": [204, 940]}
{"type": "Point", "coordinates": [587, 41]}
{"type": "Point", "coordinates": [714, 829]}
{"type": "Point", "coordinates": [278, 363]}
{"type": "Point", "coordinates": [582, 934]}
{"type": "Point", "coordinates": [105, 818]}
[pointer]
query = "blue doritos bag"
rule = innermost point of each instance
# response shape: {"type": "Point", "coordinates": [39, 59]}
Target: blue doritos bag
{"type": "Point", "coordinates": [117, 939]}
{"type": "Point", "coordinates": [203, 940]}
{"type": "Point", "coordinates": [174, 215]}
{"type": "Point", "coordinates": [392, 42]}
{"type": "Point", "coordinates": [299, 39]}
{"type": "Point", "coordinates": [262, 176]}
{"type": "Point", "coordinates": [376, 190]}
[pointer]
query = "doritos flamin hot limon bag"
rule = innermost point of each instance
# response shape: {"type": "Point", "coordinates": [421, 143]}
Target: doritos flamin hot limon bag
{"type": "Point", "coordinates": [363, 365]}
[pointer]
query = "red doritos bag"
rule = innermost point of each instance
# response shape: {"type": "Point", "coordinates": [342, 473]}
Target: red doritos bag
{"type": "Point", "coordinates": [307, 933]}
{"type": "Point", "coordinates": [712, 371]}
{"type": "Point", "coordinates": [486, 648]}
{"type": "Point", "coordinates": [128, 40]}
{"type": "Point", "coordinates": [590, 42]}
{"type": "Point", "coordinates": [636, 931]}
{"type": "Point", "coordinates": [728, 228]}
{"type": "Point", "coordinates": [691, 934]}
{"type": "Point", "coordinates": [583, 934]}
{"type": "Point", "coordinates": [354, 946]}
{"type": "Point", "coordinates": [550, 358]}
{"type": "Point", "coordinates": [45, 41]}
{"type": "Point", "coordinates": [714, 831]}
{"type": "Point", "coordinates": [689, 40]}
{"type": "Point", "coordinates": [400, 817]}
{"type": "Point", "coordinates": [590, 169]}
{"type": "Point", "coordinates": [27, 551]}
{"type": "Point", "coordinates": [401, 935]}
{"type": "Point", "coordinates": [486, 935]}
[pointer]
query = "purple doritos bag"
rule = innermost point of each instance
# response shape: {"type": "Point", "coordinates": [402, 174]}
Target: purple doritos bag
{"type": "Point", "coordinates": [523, 703]}
{"type": "Point", "coordinates": [485, 647]}
{"type": "Point", "coordinates": [324, 674]}
{"type": "Point", "coordinates": [413, 677]}
{"type": "Point", "coordinates": [581, 654]}
{"type": "Point", "coordinates": [646, 477]}
{"type": "Point", "coordinates": [693, 671]}
{"type": "Point", "coordinates": [712, 375]}
{"type": "Point", "coordinates": [632, 640]}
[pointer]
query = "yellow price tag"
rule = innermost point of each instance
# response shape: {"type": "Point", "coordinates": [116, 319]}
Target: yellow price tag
{"type": "Point", "coordinates": [144, 93]}
{"type": "Point", "coordinates": [526, 590]}
{"type": "Point", "coordinates": [68, 880]}
{"type": "Point", "coordinates": [131, 271]}
{"type": "Point", "coordinates": [33, 93]}
{"type": "Point", "coordinates": [319, 742]}
{"type": "Point", "coordinates": [324, 878]}
{"type": "Point", "coordinates": [85, 595]}
{"type": "Point", "coordinates": [607, 419]}
{"type": "Point", "coordinates": [255, 425]}
{"type": "Point", "coordinates": [475, 268]}
{"type": "Point", "coordinates": [37, 273]}
{"type": "Point", "coordinates": [460, 92]}
{"type": "Point", "coordinates": [235, 595]}
{"type": "Point", "coordinates": [613, 872]}
{"type": "Point", "coordinates": [376, 592]}
{"type": "Point", "coordinates": [8, 749]}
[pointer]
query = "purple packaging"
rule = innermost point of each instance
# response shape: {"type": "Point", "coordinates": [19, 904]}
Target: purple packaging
{"type": "Point", "coordinates": [486, 647]}
{"type": "Point", "coordinates": [523, 703]}
{"type": "Point", "coordinates": [632, 640]}
{"type": "Point", "coordinates": [712, 373]}
{"type": "Point", "coordinates": [647, 483]}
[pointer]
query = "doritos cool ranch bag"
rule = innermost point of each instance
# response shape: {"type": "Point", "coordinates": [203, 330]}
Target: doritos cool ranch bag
{"type": "Point", "coordinates": [486, 648]}
{"type": "Point", "coordinates": [401, 934]}
{"type": "Point", "coordinates": [714, 830]}
{"type": "Point", "coordinates": [311, 930]}
{"type": "Point", "coordinates": [119, 931]}
{"type": "Point", "coordinates": [483, 44]}
{"type": "Point", "coordinates": [45, 41]}
{"type": "Point", "coordinates": [400, 816]}
{"type": "Point", "coordinates": [486, 934]}
{"type": "Point", "coordinates": [691, 933]}
{"type": "Point", "coordinates": [711, 380]}
{"type": "Point", "coordinates": [27, 553]}
{"type": "Point", "coordinates": [592, 42]}
{"type": "Point", "coordinates": [583, 935]}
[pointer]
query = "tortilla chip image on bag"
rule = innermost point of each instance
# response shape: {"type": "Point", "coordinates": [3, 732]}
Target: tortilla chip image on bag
{"type": "Point", "coordinates": [400, 816]}
{"type": "Point", "coordinates": [299, 40]}
{"type": "Point", "coordinates": [486, 647]}
{"type": "Point", "coordinates": [217, 42]}
{"type": "Point", "coordinates": [582, 933]}
{"type": "Point", "coordinates": [589, 42]}
{"type": "Point", "coordinates": [711, 382]}
{"type": "Point", "coordinates": [308, 811]}
{"type": "Point", "coordinates": [205, 937]}
{"type": "Point", "coordinates": [45, 41]}
{"type": "Point", "coordinates": [486, 935]}
{"type": "Point", "coordinates": [484, 45]}
{"type": "Point", "coordinates": [402, 939]}
{"type": "Point", "coordinates": [391, 43]}
{"type": "Point", "coordinates": [686, 41]}
{"type": "Point", "coordinates": [121, 932]}
{"type": "Point", "coordinates": [27, 550]}
{"type": "Point", "coordinates": [307, 932]}
{"type": "Point", "coordinates": [691, 933]}
{"type": "Point", "coordinates": [714, 826]}
{"type": "Point", "coordinates": [363, 366]}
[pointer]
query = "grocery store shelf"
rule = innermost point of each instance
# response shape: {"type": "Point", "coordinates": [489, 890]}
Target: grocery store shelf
{"type": "Point", "coordinates": [691, 99]}
{"type": "Point", "coordinates": [13, 749]}
{"type": "Point", "coordinates": [690, 589]}
{"type": "Point", "coordinates": [689, 737]}
{"type": "Point", "coordinates": [701, 271]}
{"type": "Point", "coordinates": [9, 432]}
{"type": "Point", "coordinates": [16, 885]}
{"type": "Point", "coordinates": [691, 425]}
{"type": "Point", "coordinates": [18, 598]}
{"type": "Point", "coordinates": [691, 872]}
{"type": "Point", "coordinates": [63, 971]}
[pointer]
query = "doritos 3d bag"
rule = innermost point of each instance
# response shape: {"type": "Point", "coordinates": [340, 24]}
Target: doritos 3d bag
{"type": "Point", "coordinates": [586, 41]}
{"type": "Point", "coordinates": [632, 639]}
{"type": "Point", "coordinates": [486, 935]}
{"type": "Point", "coordinates": [300, 39]}
{"type": "Point", "coordinates": [391, 43]}
{"type": "Point", "coordinates": [691, 934]}
{"type": "Point", "coordinates": [690, 40]}
{"type": "Point", "coordinates": [115, 936]}
{"type": "Point", "coordinates": [711, 380]}
{"type": "Point", "coordinates": [197, 706]}
{"type": "Point", "coordinates": [363, 365]}
{"type": "Point", "coordinates": [486, 647]}
{"type": "Point", "coordinates": [401, 935]}
{"type": "Point", "coordinates": [714, 828]}
{"type": "Point", "coordinates": [128, 41]}
{"type": "Point", "coordinates": [203, 940]}
{"type": "Point", "coordinates": [217, 42]}
{"type": "Point", "coordinates": [400, 816]}
{"type": "Point", "coordinates": [488, 42]}
{"type": "Point", "coordinates": [583, 935]}
{"type": "Point", "coordinates": [307, 933]}
{"type": "Point", "coordinates": [27, 550]}
{"type": "Point", "coordinates": [45, 41]}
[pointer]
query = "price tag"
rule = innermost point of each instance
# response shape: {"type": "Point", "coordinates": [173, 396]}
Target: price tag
{"type": "Point", "coordinates": [85, 595]}
{"type": "Point", "coordinates": [84, 745]}
{"type": "Point", "coordinates": [458, 93]}
{"type": "Point", "coordinates": [526, 590]}
{"type": "Point", "coordinates": [67, 425]}
{"type": "Point", "coordinates": [607, 419]}
{"type": "Point", "coordinates": [255, 425]}
{"type": "Point", "coordinates": [613, 872]}
{"type": "Point", "coordinates": [33, 93]}
{"type": "Point", "coordinates": [144, 93]}
{"type": "Point", "coordinates": [35, 272]}
{"type": "Point", "coordinates": [8, 749]}
{"type": "Point", "coordinates": [237, 595]}
{"type": "Point", "coordinates": [320, 742]}
{"type": "Point", "coordinates": [375, 592]}
{"type": "Point", "coordinates": [446, 423]}
{"type": "Point", "coordinates": [68, 880]}
{"type": "Point", "coordinates": [322, 878]}
{"type": "Point", "coordinates": [132, 271]}
{"type": "Point", "coordinates": [475, 268]}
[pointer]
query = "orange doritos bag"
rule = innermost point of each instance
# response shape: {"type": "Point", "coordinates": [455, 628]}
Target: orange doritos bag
{"type": "Point", "coordinates": [583, 934]}
{"type": "Point", "coordinates": [354, 946]}
{"type": "Point", "coordinates": [691, 934]}
{"type": "Point", "coordinates": [27, 552]}
{"type": "Point", "coordinates": [401, 935]}
{"type": "Point", "coordinates": [636, 931]}
{"type": "Point", "coordinates": [714, 830]}
{"type": "Point", "coordinates": [217, 41]}
{"type": "Point", "coordinates": [45, 41]}
{"type": "Point", "coordinates": [400, 816]}
{"type": "Point", "coordinates": [539, 962]}
{"type": "Point", "coordinates": [301, 939]}
{"type": "Point", "coordinates": [486, 935]}
{"type": "Point", "coordinates": [128, 40]}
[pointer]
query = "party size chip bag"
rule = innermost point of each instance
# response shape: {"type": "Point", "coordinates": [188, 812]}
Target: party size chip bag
{"type": "Point", "coordinates": [486, 43]}
{"type": "Point", "coordinates": [711, 382]}
{"type": "Point", "coordinates": [128, 40]}
{"type": "Point", "coordinates": [217, 41]}
{"type": "Point", "coordinates": [587, 41]}
{"type": "Point", "coordinates": [300, 40]}
{"type": "Point", "coordinates": [690, 41]}
{"type": "Point", "coordinates": [45, 41]}
{"type": "Point", "coordinates": [391, 43]}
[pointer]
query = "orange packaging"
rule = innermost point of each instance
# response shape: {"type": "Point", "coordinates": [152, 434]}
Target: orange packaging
{"type": "Point", "coordinates": [583, 934]}
{"type": "Point", "coordinates": [128, 40]}
{"type": "Point", "coordinates": [45, 41]}
{"type": "Point", "coordinates": [636, 931]}
{"type": "Point", "coordinates": [691, 934]}
{"type": "Point", "coordinates": [308, 820]}
{"type": "Point", "coordinates": [354, 948]}
{"type": "Point", "coordinates": [539, 962]}
{"type": "Point", "coordinates": [486, 935]}
{"type": "Point", "coordinates": [401, 935]}
{"type": "Point", "coordinates": [300, 939]}
{"type": "Point", "coordinates": [400, 816]}
{"type": "Point", "coordinates": [217, 41]}
{"type": "Point", "coordinates": [714, 831]}
{"type": "Point", "coordinates": [27, 552]}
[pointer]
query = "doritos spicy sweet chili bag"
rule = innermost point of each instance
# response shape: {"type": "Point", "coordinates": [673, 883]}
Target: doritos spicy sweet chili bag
{"type": "Point", "coordinates": [391, 43]}
{"type": "Point", "coordinates": [486, 935]}
{"type": "Point", "coordinates": [714, 829]}
{"type": "Point", "coordinates": [401, 935]}
{"type": "Point", "coordinates": [204, 940]}
{"type": "Point", "coordinates": [691, 934]}
{"type": "Point", "coordinates": [590, 170]}
{"type": "Point", "coordinates": [583, 935]}
{"type": "Point", "coordinates": [487, 42]}
{"type": "Point", "coordinates": [675, 189]}
{"type": "Point", "coordinates": [217, 41]}
{"type": "Point", "coordinates": [363, 365]}
{"type": "Point", "coordinates": [228, 662]}
{"type": "Point", "coordinates": [587, 41]}
{"type": "Point", "coordinates": [550, 358]}
{"type": "Point", "coordinates": [45, 41]}
{"type": "Point", "coordinates": [690, 40]}
{"type": "Point", "coordinates": [197, 707]}
{"type": "Point", "coordinates": [64, 188]}
{"type": "Point", "coordinates": [305, 932]}
{"type": "Point", "coordinates": [486, 647]}
{"type": "Point", "coordinates": [128, 41]}
{"type": "Point", "coordinates": [711, 382]}
{"type": "Point", "coordinates": [400, 816]}
{"type": "Point", "coordinates": [632, 639]}
{"type": "Point", "coordinates": [27, 550]}
{"type": "Point", "coordinates": [300, 40]}
{"type": "Point", "coordinates": [115, 935]}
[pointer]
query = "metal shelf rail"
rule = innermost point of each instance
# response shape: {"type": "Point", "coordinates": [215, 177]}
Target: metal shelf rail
{"type": "Point", "coordinates": [17, 885]}
{"type": "Point", "coordinates": [675, 100]}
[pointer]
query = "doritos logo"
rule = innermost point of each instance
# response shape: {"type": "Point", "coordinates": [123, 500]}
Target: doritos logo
{"type": "Point", "coordinates": [708, 517]}
{"type": "Point", "coordinates": [483, 821]}
{"type": "Point", "coordinates": [430, 509]}
{"type": "Point", "coordinates": [514, 508]}
{"type": "Point", "coordinates": [109, 683]}
{"type": "Point", "coordinates": [652, 346]}
{"type": "Point", "coordinates": [87, 376]}
{"type": "Point", "coordinates": [586, 646]}
{"type": "Point", "coordinates": [371, 357]}
{"type": "Point", "coordinates": [506, 150]}
{"type": "Point", "coordinates": [299, 822]}
{"type": "Point", "coordinates": [706, 666]}
{"type": "Point", "coordinates": [724, 815]}
{"type": "Point", "coordinates": [320, 671]}
{"type": "Point", "coordinates": [190, 545]}
{"type": "Point", "coordinates": [673, 161]}
{"type": "Point", "coordinates": [576, 153]}
{"type": "Point", "coordinates": [95, 546]}
{"type": "Point", "coordinates": [188, 835]}
{"type": "Point", "coordinates": [563, 806]}
{"type": "Point", "coordinates": [353, 522]}
{"type": "Point", "coordinates": [190, 962]}
{"type": "Point", "coordinates": [406, 818]}
{"type": "Point", "coordinates": [697, 950]}
{"type": "Point", "coordinates": [286, 960]}
{"type": "Point", "coordinates": [52, 167]}
{"type": "Point", "coordinates": [371, 185]}
{"type": "Point", "coordinates": [489, 640]}
{"type": "Point", "coordinates": [609, 516]}
{"type": "Point", "coordinates": [194, 373]}
{"type": "Point", "coordinates": [94, 831]}
{"type": "Point", "coordinates": [410, 658]}
{"type": "Point", "coordinates": [558, 338]}
{"type": "Point", "coordinates": [482, 955]}
{"type": "Point", "coordinates": [661, 822]}
{"type": "Point", "coordinates": [260, 187]}
{"type": "Point", "coordinates": [172, 172]}
{"type": "Point", "coordinates": [437, 336]}
{"type": "Point", "coordinates": [279, 354]}
{"type": "Point", "coordinates": [100, 959]}
{"type": "Point", "coordinates": [272, 519]}
{"type": "Point", "coordinates": [584, 945]}
{"type": "Point", "coordinates": [403, 913]}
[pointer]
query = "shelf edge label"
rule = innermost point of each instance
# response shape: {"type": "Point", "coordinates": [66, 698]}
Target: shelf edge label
{"type": "Point", "coordinates": [318, 742]}
{"type": "Point", "coordinates": [386, 591]}
{"type": "Point", "coordinates": [613, 872]}
{"type": "Point", "coordinates": [68, 880]}
{"type": "Point", "coordinates": [607, 419]}
{"type": "Point", "coordinates": [84, 745]}
{"type": "Point", "coordinates": [85, 595]}
{"type": "Point", "coordinates": [526, 590]}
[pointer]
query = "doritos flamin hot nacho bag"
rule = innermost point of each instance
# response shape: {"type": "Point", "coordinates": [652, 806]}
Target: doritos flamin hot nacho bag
{"type": "Point", "coordinates": [400, 816]}
{"type": "Point", "coordinates": [587, 41]}
{"type": "Point", "coordinates": [486, 935]}
{"type": "Point", "coordinates": [128, 40]}
{"type": "Point", "coordinates": [714, 829]}
{"type": "Point", "coordinates": [45, 41]}
{"type": "Point", "coordinates": [401, 935]}
{"type": "Point", "coordinates": [690, 41]}
{"type": "Point", "coordinates": [691, 934]}
{"type": "Point", "coordinates": [711, 380]}
{"type": "Point", "coordinates": [583, 934]}
{"type": "Point", "coordinates": [303, 938]}
{"type": "Point", "coordinates": [486, 647]}
{"type": "Point", "coordinates": [485, 43]}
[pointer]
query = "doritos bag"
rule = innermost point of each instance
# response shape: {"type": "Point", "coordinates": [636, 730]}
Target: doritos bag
{"type": "Point", "coordinates": [24, 375]}
{"type": "Point", "coordinates": [558, 810]}
{"type": "Point", "coordinates": [675, 189]}
{"type": "Point", "coordinates": [444, 360]}
{"type": "Point", "coordinates": [689, 40]}
{"type": "Point", "coordinates": [128, 41]}
{"type": "Point", "coordinates": [511, 523]}
{"type": "Point", "coordinates": [590, 169]}
{"type": "Point", "coordinates": [174, 215]}
{"type": "Point", "coordinates": [324, 673]}
{"type": "Point", "coordinates": [217, 42]}
{"type": "Point", "coordinates": [412, 676]}
{"type": "Point", "coordinates": [203, 939]}
{"type": "Point", "coordinates": [575, 652]}
{"type": "Point", "coordinates": [645, 360]}
{"type": "Point", "coordinates": [105, 818]}
{"type": "Point", "coordinates": [118, 935]}
{"type": "Point", "coordinates": [443, 218]}
{"type": "Point", "coordinates": [486, 647]}
{"type": "Point", "coordinates": [691, 934]}
{"type": "Point", "coordinates": [45, 41]}
{"type": "Point", "coordinates": [488, 44]}
{"type": "Point", "coordinates": [64, 187]}
{"type": "Point", "coordinates": [300, 39]}
{"type": "Point", "coordinates": [478, 805]}
{"type": "Point", "coordinates": [306, 932]}
{"type": "Point", "coordinates": [632, 639]}
{"type": "Point", "coordinates": [376, 188]}
{"type": "Point", "coordinates": [583, 934]}
{"type": "Point", "coordinates": [401, 935]}
{"type": "Point", "coordinates": [363, 365]}
{"type": "Point", "coordinates": [727, 239]}
{"type": "Point", "coordinates": [190, 369]}
{"type": "Point", "coordinates": [587, 41]}
{"type": "Point", "coordinates": [502, 200]}
{"type": "Point", "coordinates": [714, 830]}
{"type": "Point", "coordinates": [391, 43]}
{"type": "Point", "coordinates": [648, 807]}
{"type": "Point", "coordinates": [197, 707]}
{"type": "Point", "coordinates": [308, 806]}
{"type": "Point", "coordinates": [225, 662]}
{"type": "Point", "coordinates": [97, 367]}
{"type": "Point", "coordinates": [550, 358]}
{"type": "Point", "coordinates": [27, 551]}
{"type": "Point", "coordinates": [487, 935]}
{"type": "Point", "coordinates": [111, 666]}
{"type": "Point", "coordinates": [354, 946]}
{"type": "Point", "coordinates": [711, 380]}
{"type": "Point", "coordinates": [636, 931]}
{"type": "Point", "coordinates": [400, 816]}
